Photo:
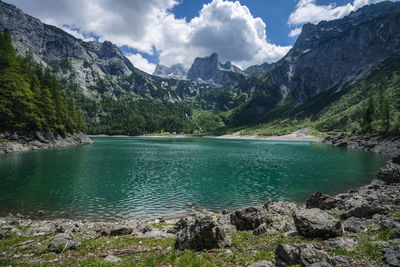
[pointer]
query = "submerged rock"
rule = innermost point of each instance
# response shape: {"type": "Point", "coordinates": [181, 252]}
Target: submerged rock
{"type": "Point", "coordinates": [321, 201]}
{"type": "Point", "coordinates": [249, 218]}
{"type": "Point", "coordinates": [203, 234]}
{"type": "Point", "coordinates": [315, 223]}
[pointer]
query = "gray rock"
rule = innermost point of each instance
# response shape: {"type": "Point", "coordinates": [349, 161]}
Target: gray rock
{"type": "Point", "coordinates": [179, 225]}
{"type": "Point", "coordinates": [287, 255]}
{"type": "Point", "coordinates": [261, 229]}
{"type": "Point", "coordinates": [302, 254]}
{"type": "Point", "coordinates": [321, 264]}
{"type": "Point", "coordinates": [391, 256]}
{"type": "Point", "coordinates": [203, 234]}
{"type": "Point", "coordinates": [321, 201]}
{"type": "Point", "coordinates": [390, 173]}
{"type": "Point", "coordinates": [228, 242]}
{"type": "Point", "coordinates": [315, 223]}
{"type": "Point", "coordinates": [249, 218]}
{"type": "Point", "coordinates": [362, 208]}
{"type": "Point", "coordinates": [262, 264]}
{"type": "Point", "coordinates": [63, 242]}
{"type": "Point", "coordinates": [210, 70]}
{"type": "Point", "coordinates": [355, 225]}
{"type": "Point", "coordinates": [117, 230]}
{"type": "Point", "coordinates": [111, 259]}
{"type": "Point", "coordinates": [177, 71]}
{"type": "Point", "coordinates": [144, 228]}
{"type": "Point", "coordinates": [347, 244]}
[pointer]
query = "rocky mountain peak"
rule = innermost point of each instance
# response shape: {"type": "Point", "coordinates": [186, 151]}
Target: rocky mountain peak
{"type": "Point", "coordinates": [177, 71]}
{"type": "Point", "coordinates": [211, 70]}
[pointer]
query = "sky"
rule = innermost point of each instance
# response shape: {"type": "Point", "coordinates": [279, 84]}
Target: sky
{"type": "Point", "coordinates": [151, 32]}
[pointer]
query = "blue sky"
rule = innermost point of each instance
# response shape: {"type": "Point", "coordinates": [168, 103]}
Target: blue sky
{"type": "Point", "coordinates": [149, 32]}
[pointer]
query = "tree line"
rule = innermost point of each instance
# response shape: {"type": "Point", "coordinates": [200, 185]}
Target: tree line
{"type": "Point", "coordinates": [31, 98]}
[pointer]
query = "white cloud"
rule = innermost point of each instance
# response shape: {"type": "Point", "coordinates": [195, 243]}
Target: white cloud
{"type": "Point", "coordinates": [225, 27]}
{"type": "Point", "coordinates": [295, 32]}
{"type": "Point", "coordinates": [141, 63]}
{"type": "Point", "coordinates": [308, 11]}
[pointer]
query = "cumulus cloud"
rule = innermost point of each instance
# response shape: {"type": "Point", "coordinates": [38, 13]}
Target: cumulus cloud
{"type": "Point", "coordinates": [141, 63]}
{"type": "Point", "coordinates": [308, 11]}
{"type": "Point", "coordinates": [225, 27]}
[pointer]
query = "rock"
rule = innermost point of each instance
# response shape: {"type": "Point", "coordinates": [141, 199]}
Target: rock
{"type": "Point", "coordinates": [190, 205]}
{"type": "Point", "coordinates": [1, 234]}
{"type": "Point", "coordinates": [228, 242]}
{"type": "Point", "coordinates": [321, 201]}
{"type": "Point", "coordinates": [321, 264]}
{"type": "Point", "coordinates": [261, 229]}
{"type": "Point", "coordinates": [396, 160]}
{"type": "Point", "coordinates": [40, 213]}
{"type": "Point", "coordinates": [117, 230]}
{"type": "Point", "coordinates": [62, 242]}
{"type": "Point", "coordinates": [391, 255]}
{"type": "Point", "coordinates": [302, 254]}
{"type": "Point", "coordinates": [355, 225]}
{"type": "Point", "coordinates": [249, 218]}
{"type": "Point", "coordinates": [342, 144]}
{"type": "Point", "coordinates": [179, 225]}
{"type": "Point", "coordinates": [362, 208]}
{"type": "Point", "coordinates": [203, 234]}
{"type": "Point", "coordinates": [315, 223]}
{"type": "Point", "coordinates": [262, 264]}
{"type": "Point", "coordinates": [111, 259]}
{"type": "Point", "coordinates": [144, 228]}
{"type": "Point", "coordinates": [390, 173]}
{"type": "Point", "coordinates": [344, 243]}
{"type": "Point", "coordinates": [289, 255]}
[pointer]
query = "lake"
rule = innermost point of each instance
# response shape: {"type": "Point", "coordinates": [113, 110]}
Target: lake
{"type": "Point", "coordinates": [150, 177]}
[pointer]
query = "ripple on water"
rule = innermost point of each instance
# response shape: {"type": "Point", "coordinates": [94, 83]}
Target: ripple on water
{"type": "Point", "coordinates": [137, 177]}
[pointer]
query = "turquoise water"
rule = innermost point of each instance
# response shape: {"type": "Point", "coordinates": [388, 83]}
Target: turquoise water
{"type": "Point", "coordinates": [150, 177]}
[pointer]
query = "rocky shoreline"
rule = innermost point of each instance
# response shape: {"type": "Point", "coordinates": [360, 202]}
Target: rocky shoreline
{"type": "Point", "coordinates": [382, 144]}
{"type": "Point", "coordinates": [358, 228]}
{"type": "Point", "coordinates": [37, 141]}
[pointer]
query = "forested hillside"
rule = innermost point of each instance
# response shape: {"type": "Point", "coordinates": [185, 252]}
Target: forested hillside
{"type": "Point", "coordinates": [30, 97]}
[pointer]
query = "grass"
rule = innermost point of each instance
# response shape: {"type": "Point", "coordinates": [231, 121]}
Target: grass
{"type": "Point", "coordinates": [160, 225]}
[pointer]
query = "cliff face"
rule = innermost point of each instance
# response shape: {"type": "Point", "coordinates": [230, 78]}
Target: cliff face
{"type": "Point", "coordinates": [96, 67]}
{"type": "Point", "coordinates": [210, 70]}
{"type": "Point", "coordinates": [334, 52]}
{"type": "Point", "coordinates": [176, 71]}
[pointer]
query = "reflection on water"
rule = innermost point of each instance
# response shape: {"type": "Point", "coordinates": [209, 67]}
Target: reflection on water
{"type": "Point", "coordinates": [137, 177]}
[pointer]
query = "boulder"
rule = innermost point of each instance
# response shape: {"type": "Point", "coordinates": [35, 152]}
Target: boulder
{"type": "Point", "coordinates": [355, 225]}
{"type": "Point", "coordinates": [362, 208]}
{"type": "Point", "coordinates": [321, 201]}
{"type": "Point", "coordinates": [347, 244]}
{"type": "Point", "coordinates": [391, 255]}
{"type": "Point", "coordinates": [111, 259]}
{"type": "Point", "coordinates": [203, 234]}
{"type": "Point", "coordinates": [249, 218]}
{"type": "Point", "coordinates": [62, 242]}
{"type": "Point", "coordinates": [315, 223]}
{"type": "Point", "coordinates": [390, 173]}
{"type": "Point", "coordinates": [261, 229]}
{"type": "Point", "coordinates": [117, 230]}
{"type": "Point", "coordinates": [179, 225]}
{"type": "Point", "coordinates": [262, 264]}
{"type": "Point", "coordinates": [304, 255]}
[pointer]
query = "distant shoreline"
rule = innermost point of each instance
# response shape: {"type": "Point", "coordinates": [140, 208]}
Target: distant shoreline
{"type": "Point", "coordinates": [295, 136]}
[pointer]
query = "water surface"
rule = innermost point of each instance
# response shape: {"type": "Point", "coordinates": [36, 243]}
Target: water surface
{"type": "Point", "coordinates": [149, 177]}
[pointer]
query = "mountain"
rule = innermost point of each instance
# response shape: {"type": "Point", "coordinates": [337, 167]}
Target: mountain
{"type": "Point", "coordinates": [211, 70]}
{"type": "Point", "coordinates": [325, 56]}
{"type": "Point", "coordinates": [177, 71]}
{"type": "Point", "coordinates": [96, 68]}
{"type": "Point", "coordinates": [257, 69]}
